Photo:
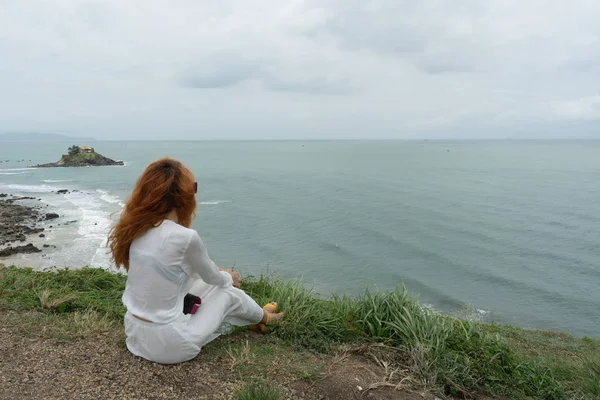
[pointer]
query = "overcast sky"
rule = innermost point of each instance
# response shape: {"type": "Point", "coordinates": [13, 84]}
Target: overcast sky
{"type": "Point", "coordinates": [278, 69]}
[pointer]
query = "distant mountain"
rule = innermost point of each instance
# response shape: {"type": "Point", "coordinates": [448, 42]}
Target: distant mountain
{"type": "Point", "coordinates": [42, 137]}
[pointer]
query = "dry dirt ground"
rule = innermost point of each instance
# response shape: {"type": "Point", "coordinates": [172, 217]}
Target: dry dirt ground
{"type": "Point", "coordinates": [35, 365]}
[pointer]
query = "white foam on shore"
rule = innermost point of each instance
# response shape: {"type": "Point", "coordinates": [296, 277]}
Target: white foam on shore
{"type": "Point", "coordinates": [14, 173]}
{"type": "Point", "coordinates": [57, 180]}
{"type": "Point", "coordinates": [467, 313]}
{"type": "Point", "coordinates": [472, 314]}
{"type": "Point", "coordinates": [31, 188]}
{"type": "Point", "coordinates": [16, 169]}
{"type": "Point", "coordinates": [92, 212]}
{"type": "Point", "coordinates": [110, 198]}
{"type": "Point", "coordinates": [214, 202]}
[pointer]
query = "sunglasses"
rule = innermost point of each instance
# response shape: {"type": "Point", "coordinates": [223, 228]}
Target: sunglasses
{"type": "Point", "coordinates": [195, 187]}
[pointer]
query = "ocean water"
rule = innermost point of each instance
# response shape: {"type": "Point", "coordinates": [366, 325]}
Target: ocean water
{"type": "Point", "coordinates": [504, 231]}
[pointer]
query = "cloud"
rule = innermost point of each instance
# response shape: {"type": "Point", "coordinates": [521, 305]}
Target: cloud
{"type": "Point", "coordinates": [282, 69]}
{"type": "Point", "coordinates": [224, 69]}
{"type": "Point", "coordinates": [301, 71]}
{"type": "Point", "coordinates": [587, 109]}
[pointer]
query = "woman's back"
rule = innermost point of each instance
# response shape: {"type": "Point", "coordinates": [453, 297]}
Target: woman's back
{"type": "Point", "coordinates": [156, 282]}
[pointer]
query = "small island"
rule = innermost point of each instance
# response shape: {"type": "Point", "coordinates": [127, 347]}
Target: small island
{"type": "Point", "coordinates": [81, 157]}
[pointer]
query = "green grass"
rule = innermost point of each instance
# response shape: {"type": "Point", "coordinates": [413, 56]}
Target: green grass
{"type": "Point", "coordinates": [448, 355]}
{"type": "Point", "coordinates": [575, 362]}
{"type": "Point", "coordinates": [259, 391]}
{"type": "Point", "coordinates": [82, 157]}
{"type": "Point", "coordinates": [64, 290]}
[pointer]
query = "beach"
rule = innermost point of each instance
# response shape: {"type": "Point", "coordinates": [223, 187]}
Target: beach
{"type": "Point", "coordinates": [32, 232]}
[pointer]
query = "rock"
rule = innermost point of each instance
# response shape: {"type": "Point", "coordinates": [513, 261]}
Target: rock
{"type": "Point", "coordinates": [42, 235]}
{"type": "Point", "coordinates": [17, 223]}
{"type": "Point", "coordinates": [62, 191]}
{"type": "Point", "coordinates": [22, 198]}
{"type": "Point", "coordinates": [81, 159]}
{"type": "Point", "coordinates": [51, 216]}
{"type": "Point", "coordinates": [29, 231]}
{"type": "Point", "coordinates": [3, 195]}
{"type": "Point", "coordinates": [29, 248]}
{"type": "Point", "coordinates": [46, 245]}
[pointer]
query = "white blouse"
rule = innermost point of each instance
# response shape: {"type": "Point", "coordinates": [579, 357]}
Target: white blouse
{"type": "Point", "coordinates": [163, 264]}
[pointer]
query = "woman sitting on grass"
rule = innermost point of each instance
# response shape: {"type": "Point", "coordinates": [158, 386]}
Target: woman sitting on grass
{"type": "Point", "coordinates": [165, 261]}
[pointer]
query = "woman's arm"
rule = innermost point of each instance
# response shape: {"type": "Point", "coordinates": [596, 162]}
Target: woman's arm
{"type": "Point", "coordinates": [198, 262]}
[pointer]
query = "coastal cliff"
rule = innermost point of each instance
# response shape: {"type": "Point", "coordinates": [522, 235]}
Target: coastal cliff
{"type": "Point", "coordinates": [81, 157]}
{"type": "Point", "coordinates": [378, 345]}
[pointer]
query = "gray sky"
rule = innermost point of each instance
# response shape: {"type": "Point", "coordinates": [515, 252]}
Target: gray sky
{"type": "Point", "coordinates": [246, 69]}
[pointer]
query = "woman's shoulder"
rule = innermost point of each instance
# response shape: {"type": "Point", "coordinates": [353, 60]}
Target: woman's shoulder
{"type": "Point", "coordinates": [175, 229]}
{"type": "Point", "coordinates": [166, 238]}
{"type": "Point", "coordinates": [177, 233]}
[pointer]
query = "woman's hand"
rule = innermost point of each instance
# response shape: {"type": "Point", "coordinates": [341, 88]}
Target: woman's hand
{"type": "Point", "coordinates": [236, 278]}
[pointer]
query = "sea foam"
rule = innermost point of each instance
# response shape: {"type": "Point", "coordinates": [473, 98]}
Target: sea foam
{"type": "Point", "coordinates": [214, 202]}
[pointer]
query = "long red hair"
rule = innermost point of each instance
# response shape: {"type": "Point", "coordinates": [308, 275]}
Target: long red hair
{"type": "Point", "coordinates": [165, 185]}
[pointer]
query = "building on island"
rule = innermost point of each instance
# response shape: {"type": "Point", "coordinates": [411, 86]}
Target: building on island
{"type": "Point", "coordinates": [87, 149]}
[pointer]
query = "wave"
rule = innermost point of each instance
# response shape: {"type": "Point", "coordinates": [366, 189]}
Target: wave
{"type": "Point", "coordinates": [214, 202]}
{"type": "Point", "coordinates": [110, 198]}
{"type": "Point", "coordinates": [16, 169]}
{"type": "Point", "coordinates": [31, 188]}
{"type": "Point", "coordinates": [472, 314]}
{"type": "Point", "coordinates": [336, 249]}
{"type": "Point", "coordinates": [465, 312]}
{"type": "Point", "coordinates": [57, 180]}
{"type": "Point", "coordinates": [95, 221]}
{"type": "Point", "coordinates": [81, 229]}
{"type": "Point", "coordinates": [13, 173]}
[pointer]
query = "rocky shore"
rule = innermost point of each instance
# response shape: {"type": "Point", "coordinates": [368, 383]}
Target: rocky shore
{"type": "Point", "coordinates": [18, 223]}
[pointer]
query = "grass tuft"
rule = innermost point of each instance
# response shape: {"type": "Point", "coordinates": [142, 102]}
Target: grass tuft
{"type": "Point", "coordinates": [57, 303]}
{"type": "Point", "coordinates": [240, 355]}
{"type": "Point", "coordinates": [259, 391]}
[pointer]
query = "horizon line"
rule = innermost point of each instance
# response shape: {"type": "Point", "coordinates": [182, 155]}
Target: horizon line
{"type": "Point", "coordinates": [71, 139]}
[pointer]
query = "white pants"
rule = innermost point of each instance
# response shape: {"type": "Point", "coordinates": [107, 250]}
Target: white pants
{"type": "Point", "coordinates": [182, 339]}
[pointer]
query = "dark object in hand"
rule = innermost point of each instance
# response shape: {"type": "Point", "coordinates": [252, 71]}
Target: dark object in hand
{"type": "Point", "coordinates": [191, 303]}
